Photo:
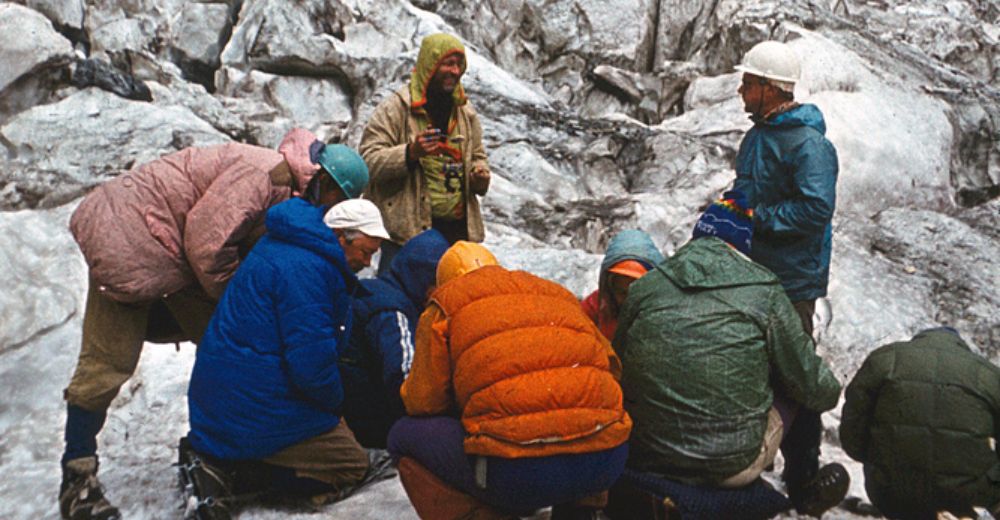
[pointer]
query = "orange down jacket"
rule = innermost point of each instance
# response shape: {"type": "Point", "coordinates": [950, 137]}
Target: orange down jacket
{"type": "Point", "coordinates": [529, 373]}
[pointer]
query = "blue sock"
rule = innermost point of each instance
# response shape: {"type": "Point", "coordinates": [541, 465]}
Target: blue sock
{"type": "Point", "coordinates": [82, 427]}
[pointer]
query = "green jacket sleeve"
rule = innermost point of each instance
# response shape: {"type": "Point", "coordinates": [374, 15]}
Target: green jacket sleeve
{"type": "Point", "coordinates": [627, 315]}
{"type": "Point", "coordinates": [804, 375]}
{"type": "Point", "coordinates": [859, 407]}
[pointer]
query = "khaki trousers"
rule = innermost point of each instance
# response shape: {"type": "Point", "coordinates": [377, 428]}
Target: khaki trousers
{"type": "Point", "coordinates": [113, 334]}
{"type": "Point", "coordinates": [334, 457]}
{"type": "Point", "coordinates": [768, 450]}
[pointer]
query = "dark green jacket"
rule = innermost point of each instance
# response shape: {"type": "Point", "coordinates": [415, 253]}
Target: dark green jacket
{"type": "Point", "coordinates": [922, 415]}
{"type": "Point", "coordinates": [702, 338]}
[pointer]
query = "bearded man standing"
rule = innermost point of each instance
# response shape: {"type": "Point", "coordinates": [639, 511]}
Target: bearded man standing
{"type": "Point", "coordinates": [425, 153]}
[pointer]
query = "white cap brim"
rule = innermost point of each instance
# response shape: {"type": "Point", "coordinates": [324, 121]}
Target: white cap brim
{"type": "Point", "coordinates": [359, 215]}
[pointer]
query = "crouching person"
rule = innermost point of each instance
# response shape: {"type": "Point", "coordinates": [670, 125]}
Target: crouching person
{"type": "Point", "coordinates": [512, 394]}
{"type": "Point", "coordinates": [923, 415]}
{"type": "Point", "coordinates": [380, 352]}
{"type": "Point", "coordinates": [161, 242]}
{"type": "Point", "coordinates": [629, 256]}
{"type": "Point", "coordinates": [708, 340]}
{"type": "Point", "coordinates": [265, 393]}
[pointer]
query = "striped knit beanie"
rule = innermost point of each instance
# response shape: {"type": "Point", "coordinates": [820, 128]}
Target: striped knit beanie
{"type": "Point", "coordinates": [729, 219]}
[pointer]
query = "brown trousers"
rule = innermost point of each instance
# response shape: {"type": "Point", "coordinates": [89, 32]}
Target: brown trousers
{"type": "Point", "coordinates": [334, 457]}
{"type": "Point", "coordinates": [113, 334]}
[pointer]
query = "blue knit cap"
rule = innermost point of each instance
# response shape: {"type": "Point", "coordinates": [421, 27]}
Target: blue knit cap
{"type": "Point", "coordinates": [729, 219]}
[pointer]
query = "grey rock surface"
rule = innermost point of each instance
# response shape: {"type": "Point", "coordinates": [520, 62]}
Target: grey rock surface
{"type": "Point", "coordinates": [33, 57]}
{"type": "Point", "coordinates": [597, 117]}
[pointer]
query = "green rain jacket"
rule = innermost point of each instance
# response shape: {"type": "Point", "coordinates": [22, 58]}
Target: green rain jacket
{"type": "Point", "coordinates": [922, 415]}
{"type": "Point", "coordinates": [702, 339]}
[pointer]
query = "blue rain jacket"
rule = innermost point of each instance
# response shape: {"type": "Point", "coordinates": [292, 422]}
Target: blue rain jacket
{"type": "Point", "coordinates": [788, 170]}
{"type": "Point", "coordinates": [378, 356]}
{"type": "Point", "coordinates": [266, 374]}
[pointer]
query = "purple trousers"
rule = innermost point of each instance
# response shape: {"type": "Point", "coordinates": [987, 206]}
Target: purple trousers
{"type": "Point", "coordinates": [519, 486]}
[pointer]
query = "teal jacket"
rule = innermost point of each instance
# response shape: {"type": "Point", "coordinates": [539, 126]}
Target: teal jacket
{"type": "Point", "coordinates": [923, 415]}
{"type": "Point", "coordinates": [702, 339]}
{"type": "Point", "coordinates": [788, 171]}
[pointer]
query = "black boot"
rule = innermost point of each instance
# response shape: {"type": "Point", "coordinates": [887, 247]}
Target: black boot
{"type": "Point", "coordinates": [80, 495]}
{"type": "Point", "coordinates": [207, 485]}
{"type": "Point", "coordinates": [800, 448]}
{"type": "Point", "coordinates": [824, 491]}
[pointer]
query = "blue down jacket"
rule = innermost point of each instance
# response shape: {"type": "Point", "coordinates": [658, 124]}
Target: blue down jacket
{"type": "Point", "coordinates": [378, 356]}
{"type": "Point", "coordinates": [788, 171]}
{"type": "Point", "coordinates": [266, 374]}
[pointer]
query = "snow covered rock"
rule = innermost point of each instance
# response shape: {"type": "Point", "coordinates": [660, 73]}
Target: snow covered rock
{"type": "Point", "coordinates": [93, 133]}
{"type": "Point", "coordinates": [64, 14]}
{"type": "Point", "coordinates": [28, 44]}
{"type": "Point", "coordinates": [33, 58]}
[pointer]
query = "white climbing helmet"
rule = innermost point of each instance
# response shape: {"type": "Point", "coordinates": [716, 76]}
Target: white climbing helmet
{"type": "Point", "coordinates": [772, 60]}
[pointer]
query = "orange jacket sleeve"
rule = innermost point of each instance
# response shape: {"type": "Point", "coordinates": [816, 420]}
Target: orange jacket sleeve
{"type": "Point", "coordinates": [428, 390]}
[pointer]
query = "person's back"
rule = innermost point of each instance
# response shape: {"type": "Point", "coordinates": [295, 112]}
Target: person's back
{"type": "Point", "coordinates": [512, 398]}
{"type": "Point", "coordinates": [515, 335]}
{"type": "Point", "coordinates": [922, 415]}
{"type": "Point", "coordinates": [699, 337]}
{"type": "Point", "coordinates": [163, 225]}
{"type": "Point", "coordinates": [271, 325]}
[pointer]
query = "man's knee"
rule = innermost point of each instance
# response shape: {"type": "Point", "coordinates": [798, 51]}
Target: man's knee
{"type": "Point", "coordinates": [334, 457]}
{"type": "Point", "coordinates": [89, 400]}
{"type": "Point", "coordinates": [96, 381]}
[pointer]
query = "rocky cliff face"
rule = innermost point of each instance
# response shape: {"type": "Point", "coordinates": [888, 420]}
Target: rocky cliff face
{"type": "Point", "coordinates": [598, 116]}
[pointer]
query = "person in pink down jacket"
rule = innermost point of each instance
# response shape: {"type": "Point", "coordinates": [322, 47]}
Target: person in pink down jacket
{"type": "Point", "coordinates": [161, 241]}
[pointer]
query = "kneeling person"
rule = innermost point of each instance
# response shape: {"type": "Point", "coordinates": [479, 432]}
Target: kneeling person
{"type": "Point", "coordinates": [380, 352]}
{"type": "Point", "coordinates": [265, 392]}
{"type": "Point", "coordinates": [708, 342]}
{"type": "Point", "coordinates": [922, 416]}
{"type": "Point", "coordinates": [514, 388]}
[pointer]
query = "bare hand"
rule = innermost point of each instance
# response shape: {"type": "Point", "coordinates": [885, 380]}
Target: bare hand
{"type": "Point", "coordinates": [479, 179]}
{"type": "Point", "coordinates": [427, 143]}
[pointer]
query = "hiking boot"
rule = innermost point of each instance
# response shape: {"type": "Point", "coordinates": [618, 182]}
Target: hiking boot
{"type": "Point", "coordinates": [380, 467]}
{"type": "Point", "coordinates": [207, 486]}
{"type": "Point", "coordinates": [81, 496]}
{"type": "Point", "coordinates": [824, 491]}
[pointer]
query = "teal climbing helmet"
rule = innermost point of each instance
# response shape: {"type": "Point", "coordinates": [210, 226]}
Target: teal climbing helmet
{"type": "Point", "coordinates": [346, 167]}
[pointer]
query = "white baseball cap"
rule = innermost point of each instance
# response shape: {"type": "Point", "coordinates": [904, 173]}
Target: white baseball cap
{"type": "Point", "coordinates": [357, 214]}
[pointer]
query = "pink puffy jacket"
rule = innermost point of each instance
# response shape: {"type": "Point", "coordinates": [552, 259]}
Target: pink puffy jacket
{"type": "Point", "coordinates": [179, 219]}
